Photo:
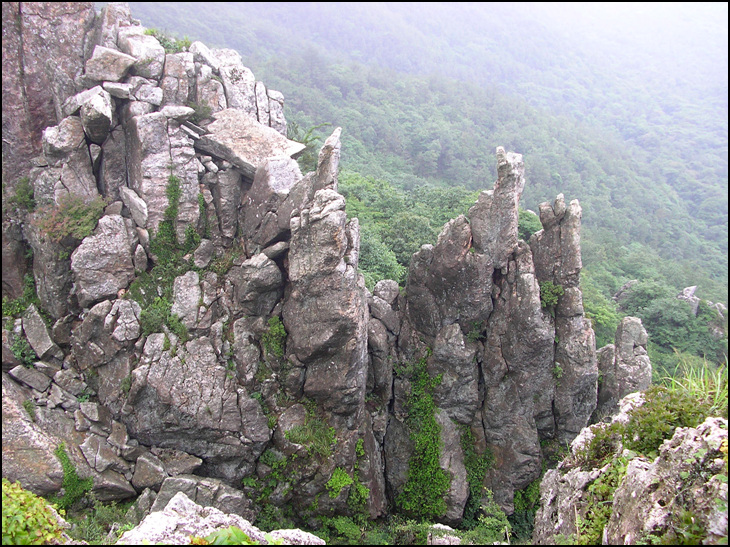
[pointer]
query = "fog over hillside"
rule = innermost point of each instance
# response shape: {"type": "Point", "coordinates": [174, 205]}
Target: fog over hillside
{"type": "Point", "coordinates": [634, 94]}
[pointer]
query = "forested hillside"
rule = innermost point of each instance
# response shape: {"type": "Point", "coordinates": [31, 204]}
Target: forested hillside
{"type": "Point", "coordinates": [635, 128]}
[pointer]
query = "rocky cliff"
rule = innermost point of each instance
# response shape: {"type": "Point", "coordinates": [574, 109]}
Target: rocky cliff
{"type": "Point", "coordinates": [213, 335]}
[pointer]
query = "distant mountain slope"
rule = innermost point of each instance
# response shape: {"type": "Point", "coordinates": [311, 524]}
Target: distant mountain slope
{"type": "Point", "coordinates": [650, 171]}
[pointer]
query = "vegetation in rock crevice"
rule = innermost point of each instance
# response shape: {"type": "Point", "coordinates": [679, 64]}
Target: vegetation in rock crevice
{"type": "Point", "coordinates": [423, 493]}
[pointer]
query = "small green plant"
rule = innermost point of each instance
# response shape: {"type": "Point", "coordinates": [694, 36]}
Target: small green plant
{"type": "Point", "coordinates": [557, 371]}
{"type": "Point", "coordinates": [201, 112]}
{"type": "Point", "coordinates": [74, 487]}
{"type": "Point", "coordinates": [171, 44]}
{"type": "Point", "coordinates": [126, 384]}
{"type": "Point", "coordinates": [94, 524]}
{"type": "Point", "coordinates": [15, 308]}
{"type": "Point", "coordinates": [476, 466]}
{"type": "Point", "coordinates": [476, 333]}
{"type": "Point", "coordinates": [339, 480]}
{"type": "Point", "coordinates": [27, 518]}
{"type": "Point", "coordinates": [493, 525]}
{"type": "Point", "coordinates": [72, 217]}
{"type": "Point", "coordinates": [549, 295]}
{"type": "Point", "coordinates": [314, 434]}
{"type": "Point", "coordinates": [230, 536]}
{"type": "Point", "coordinates": [274, 339]}
{"type": "Point", "coordinates": [360, 448]}
{"type": "Point", "coordinates": [29, 406]}
{"type": "Point", "coordinates": [22, 351]}
{"type": "Point", "coordinates": [24, 197]}
{"type": "Point", "coordinates": [525, 503]}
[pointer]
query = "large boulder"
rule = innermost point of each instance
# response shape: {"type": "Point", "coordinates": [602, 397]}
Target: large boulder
{"type": "Point", "coordinates": [102, 264]}
{"type": "Point", "coordinates": [182, 518]}
{"type": "Point", "coordinates": [237, 137]}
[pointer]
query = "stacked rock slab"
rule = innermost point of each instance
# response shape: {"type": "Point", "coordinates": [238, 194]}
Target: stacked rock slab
{"type": "Point", "coordinates": [230, 400]}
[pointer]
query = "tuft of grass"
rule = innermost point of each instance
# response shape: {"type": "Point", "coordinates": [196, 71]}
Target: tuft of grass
{"type": "Point", "coordinates": [708, 383]}
{"type": "Point", "coordinates": [72, 217]}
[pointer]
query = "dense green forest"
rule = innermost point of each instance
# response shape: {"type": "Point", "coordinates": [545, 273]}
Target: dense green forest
{"type": "Point", "coordinates": [424, 97]}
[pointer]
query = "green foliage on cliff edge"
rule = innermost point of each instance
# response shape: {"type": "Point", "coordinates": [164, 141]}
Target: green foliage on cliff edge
{"type": "Point", "coordinates": [27, 518]}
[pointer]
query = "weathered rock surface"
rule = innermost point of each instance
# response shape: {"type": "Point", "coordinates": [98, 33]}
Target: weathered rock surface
{"type": "Point", "coordinates": [102, 264]}
{"type": "Point", "coordinates": [624, 367]}
{"type": "Point", "coordinates": [182, 518]}
{"type": "Point", "coordinates": [238, 138]}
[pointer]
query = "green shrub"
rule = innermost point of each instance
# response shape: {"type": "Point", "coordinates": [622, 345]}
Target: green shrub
{"type": "Point", "coordinates": [24, 195]}
{"type": "Point", "coordinates": [27, 518]}
{"type": "Point", "coordinates": [170, 43]}
{"type": "Point", "coordinates": [549, 295]}
{"type": "Point", "coordinates": [15, 308]}
{"type": "Point", "coordinates": [201, 112]}
{"type": "Point", "coordinates": [95, 524]}
{"type": "Point", "coordinates": [423, 493]}
{"type": "Point", "coordinates": [663, 411]}
{"type": "Point", "coordinates": [315, 435]}
{"type": "Point", "coordinates": [22, 351]}
{"type": "Point", "coordinates": [493, 525]}
{"type": "Point", "coordinates": [29, 406]}
{"type": "Point", "coordinates": [339, 480]}
{"type": "Point", "coordinates": [525, 503]}
{"type": "Point", "coordinates": [476, 466]}
{"type": "Point", "coordinates": [274, 339]}
{"type": "Point", "coordinates": [72, 217]}
{"type": "Point", "coordinates": [74, 488]}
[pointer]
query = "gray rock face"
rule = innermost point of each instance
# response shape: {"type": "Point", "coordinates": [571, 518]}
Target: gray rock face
{"type": "Point", "coordinates": [325, 308]}
{"type": "Point", "coordinates": [182, 518]}
{"type": "Point", "coordinates": [624, 368]}
{"type": "Point", "coordinates": [154, 143]}
{"type": "Point", "coordinates": [272, 183]}
{"type": "Point", "coordinates": [108, 64]}
{"type": "Point", "coordinates": [238, 138]}
{"type": "Point", "coordinates": [211, 418]}
{"type": "Point", "coordinates": [238, 81]}
{"type": "Point", "coordinates": [280, 245]}
{"type": "Point", "coordinates": [494, 217]}
{"type": "Point", "coordinates": [148, 52]}
{"type": "Point", "coordinates": [102, 264]}
{"type": "Point", "coordinates": [97, 117]}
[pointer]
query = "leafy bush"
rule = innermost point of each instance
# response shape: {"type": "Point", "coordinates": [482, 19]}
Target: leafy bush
{"type": "Point", "coordinates": [339, 480]}
{"type": "Point", "coordinates": [549, 294]}
{"type": "Point", "coordinates": [29, 406]}
{"type": "Point", "coordinates": [663, 412]}
{"type": "Point", "coordinates": [74, 488]}
{"type": "Point", "coordinates": [15, 308]}
{"type": "Point", "coordinates": [493, 525]}
{"type": "Point", "coordinates": [27, 518]}
{"type": "Point", "coordinates": [24, 195]}
{"type": "Point", "coordinates": [423, 493]}
{"type": "Point", "coordinates": [95, 524]}
{"type": "Point", "coordinates": [72, 217]}
{"type": "Point", "coordinates": [315, 434]}
{"type": "Point", "coordinates": [22, 351]}
{"type": "Point", "coordinates": [274, 339]}
{"type": "Point", "coordinates": [477, 466]}
{"type": "Point", "coordinates": [171, 44]}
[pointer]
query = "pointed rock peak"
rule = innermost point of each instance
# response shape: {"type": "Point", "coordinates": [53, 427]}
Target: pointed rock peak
{"type": "Point", "coordinates": [329, 162]}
